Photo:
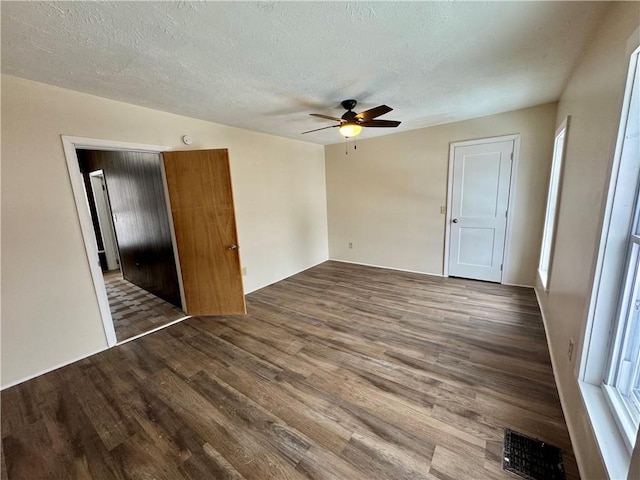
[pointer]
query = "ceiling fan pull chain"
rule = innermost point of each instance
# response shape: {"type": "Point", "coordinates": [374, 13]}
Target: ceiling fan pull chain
{"type": "Point", "coordinates": [355, 144]}
{"type": "Point", "coordinates": [346, 146]}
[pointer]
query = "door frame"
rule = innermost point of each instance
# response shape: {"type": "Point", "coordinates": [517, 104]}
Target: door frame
{"type": "Point", "coordinates": [516, 139]}
{"type": "Point", "coordinates": [70, 143]}
{"type": "Point", "coordinates": [108, 220]}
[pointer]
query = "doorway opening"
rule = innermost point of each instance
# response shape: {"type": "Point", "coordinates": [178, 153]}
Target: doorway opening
{"type": "Point", "coordinates": [125, 192]}
{"type": "Point", "coordinates": [195, 191]}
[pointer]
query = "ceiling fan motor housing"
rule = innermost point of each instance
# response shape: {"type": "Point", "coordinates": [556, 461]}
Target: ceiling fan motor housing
{"type": "Point", "coordinates": [349, 104]}
{"type": "Point", "coordinates": [350, 117]}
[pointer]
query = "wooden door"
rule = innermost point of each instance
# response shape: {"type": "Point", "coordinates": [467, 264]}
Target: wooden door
{"type": "Point", "coordinates": [140, 218]}
{"type": "Point", "coordinates": [479, 201]}
{"type": "Point", "coordinates": [199, 184]}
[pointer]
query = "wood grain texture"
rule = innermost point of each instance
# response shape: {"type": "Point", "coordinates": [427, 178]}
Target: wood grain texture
{"type": "Point", "coordinates": [340, 372]}
{"type": "Point", "coordinates": [201, 198]}
{"type": "Point", "coordinates": [141, 220]}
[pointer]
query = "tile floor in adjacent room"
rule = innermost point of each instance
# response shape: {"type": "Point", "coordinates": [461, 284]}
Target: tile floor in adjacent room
{"type": "Point", "coordinates": [134, 310]}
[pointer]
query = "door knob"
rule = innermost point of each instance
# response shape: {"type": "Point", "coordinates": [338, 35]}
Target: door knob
{"type": "Point", "coordinates": [232, 247]}
{"type": "Point", "coordinates": [455, 220]}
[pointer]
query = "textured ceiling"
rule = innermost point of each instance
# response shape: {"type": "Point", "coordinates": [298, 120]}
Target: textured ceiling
{"type": "Point", "coordinates": [266, 65]}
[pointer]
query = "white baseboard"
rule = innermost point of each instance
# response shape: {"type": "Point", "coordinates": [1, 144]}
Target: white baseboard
{"type": "Point", "coordinates": [416, 271]}
{"type": "Point", "coordinates": [153, 330]}
{"type": "Point", "coordinates": [518, 285]}
{"type": "Point", "coordinates": [51, 369]}
{"type": "Point", "coordinates": [247, 292]}
{"type": "Point", "coordinates": [572, 433]}
{"type": "Point", "coordinates": [31, 377]}
{"type": "Point", "coordinates": [64, 364]}
{"type": "Point", "coordinates": [387, 268]}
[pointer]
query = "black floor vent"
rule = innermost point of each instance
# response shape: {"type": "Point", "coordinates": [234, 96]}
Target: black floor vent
{"type": "Point", "coordinates": [530, 458]}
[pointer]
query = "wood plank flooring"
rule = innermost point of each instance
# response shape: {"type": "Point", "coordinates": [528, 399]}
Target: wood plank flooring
{"type": "Point", "coordinates": [134, 310]}
{"type": "Point", "coordinates": [340, 372]}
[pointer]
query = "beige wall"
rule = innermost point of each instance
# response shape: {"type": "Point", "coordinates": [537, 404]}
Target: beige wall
{"type": "Point", "coordinates": [49, 308]}
{"type": "Point", "coordinates": [634, 469]}
{"type": "Point", "coordinates": [593, 99]}
{"type": "Point", "coordinates": [385, 197]}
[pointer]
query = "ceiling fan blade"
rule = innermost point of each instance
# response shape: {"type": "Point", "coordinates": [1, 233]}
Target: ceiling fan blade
{"type": "Point", "coordinates": [325, 116]}
{"type": "Point", "coordinates": [380, 123]}
{"type": "Point", "coordinates": [323, 128]}
{"type": "Point", "coordinates": [373, 113]}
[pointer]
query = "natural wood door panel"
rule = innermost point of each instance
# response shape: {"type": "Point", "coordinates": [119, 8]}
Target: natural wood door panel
{"type": "Point", "coordinates": [137, 199]}
{"type": "Point", "coordinates": [201, 197]}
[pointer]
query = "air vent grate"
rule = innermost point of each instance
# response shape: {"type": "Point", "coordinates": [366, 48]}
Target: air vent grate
{"type": "Point", "coordinates": [530, 458]}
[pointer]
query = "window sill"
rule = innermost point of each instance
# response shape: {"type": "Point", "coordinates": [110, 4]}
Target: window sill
{"type": "Point", "coordinates": [543, 276]}
{"type": "Point", "coordinates": [622, 416]}
{"type": "Point", "coordinates": [613, 449]}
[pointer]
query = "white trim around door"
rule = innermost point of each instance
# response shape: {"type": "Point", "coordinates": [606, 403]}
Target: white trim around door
{"type": "Point", "coordinates": [516, 139]}
{"type": "Point", "coordinates": [70, 144]}
{"type": "Point", "coordinates": [105, 220]}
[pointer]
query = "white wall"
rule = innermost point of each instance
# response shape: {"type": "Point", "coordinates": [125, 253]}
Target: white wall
{"type": "Point", "coordinates": [385, 197]}
{"type": "Point", "coordinates": [49, 309]}
{"type": "Point", "coordinates": [593, 98]}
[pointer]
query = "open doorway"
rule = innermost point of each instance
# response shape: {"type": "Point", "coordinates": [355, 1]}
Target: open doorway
{"type": "Point", "coordinates": [125, 192]}
{"type": "Point", "coordinates": [197, 196]}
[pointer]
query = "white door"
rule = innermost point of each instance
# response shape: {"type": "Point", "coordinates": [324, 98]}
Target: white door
{"type": "Point", "coordinates": [99, 187]}
{"type": "Point", "coordinates": [479, 202]}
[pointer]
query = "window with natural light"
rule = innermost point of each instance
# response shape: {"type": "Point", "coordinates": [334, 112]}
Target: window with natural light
{"type": "Point", "coordinates": [609, 376]}
{"type": "Point", "coordinates": [621, 381]}
{"type": "Point", "coordinates": [552, 204]}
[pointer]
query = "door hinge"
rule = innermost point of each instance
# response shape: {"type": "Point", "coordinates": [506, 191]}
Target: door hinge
{"type": "Point", "coordinates": [501, 267]}
{"type": "Point", "coordinates": [506, 214]}
{"type": "Point", "coordinates": [511, 155]}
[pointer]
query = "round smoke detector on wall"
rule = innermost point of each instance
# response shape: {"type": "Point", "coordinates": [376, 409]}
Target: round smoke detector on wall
{"type": "Point", "coordinates": [187, 139]}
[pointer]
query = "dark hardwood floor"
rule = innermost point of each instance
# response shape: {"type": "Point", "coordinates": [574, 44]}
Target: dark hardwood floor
{"type": "Point", "coordinates": [340, 372]}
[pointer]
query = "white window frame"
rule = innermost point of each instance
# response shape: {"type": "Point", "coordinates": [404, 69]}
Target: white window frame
{"type": "Point", "coordinates": [625, 411]}
{"type": "Point", "coordinates": [615, 440]}
{"type": "Point", "coordinates": [553, 204]}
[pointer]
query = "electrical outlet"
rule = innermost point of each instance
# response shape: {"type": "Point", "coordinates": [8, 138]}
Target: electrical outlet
{"type": "Point", "coordinates": [570, 349]}
{"type": "Point", "coordinates": [443, 209]}
{"type": "Point", "coordinates": [244, 270]}
{"type": "Point", "coordinates": [350, 244]}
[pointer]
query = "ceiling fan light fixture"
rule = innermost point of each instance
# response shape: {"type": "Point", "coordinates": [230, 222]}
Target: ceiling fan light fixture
{"type": "Point", "coordinates": [351, 123]}
{"type": "Point", "coordinates": [350, 130]}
